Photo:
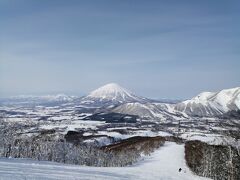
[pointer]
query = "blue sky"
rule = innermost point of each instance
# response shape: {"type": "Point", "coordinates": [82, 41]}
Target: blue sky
{"type": "Point", "coordinates": [158, 49]}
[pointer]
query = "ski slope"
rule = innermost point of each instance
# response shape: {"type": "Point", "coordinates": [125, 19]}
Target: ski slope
{"type": "Point", "coordinates": [163, 164]}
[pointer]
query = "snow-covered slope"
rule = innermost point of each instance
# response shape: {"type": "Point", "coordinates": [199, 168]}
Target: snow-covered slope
{"type": "Point", "coordinates": [142, 110]}
{"type": "Point", "coordinates": [163, 164]}
{"type": "Point", "coordinates": [206, 104]}
{"type": "Point", "coordinates": [158, 111]}
{"type": "Point", "coordinates": [211, 103]}
{"type": "Point", "coordinates": [112, 93]}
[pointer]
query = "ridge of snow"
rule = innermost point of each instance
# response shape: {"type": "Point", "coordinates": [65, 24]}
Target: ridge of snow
{"type": "Point", "coordinates": [201, 98]}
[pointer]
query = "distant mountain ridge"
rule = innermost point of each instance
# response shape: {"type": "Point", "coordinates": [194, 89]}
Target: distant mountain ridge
{"type": "Point", "coordinates": [38, 100]}
{"type": "Point", "coordinates": [211, 103]}
{"type": "Point", "coordinates": [206, 104]}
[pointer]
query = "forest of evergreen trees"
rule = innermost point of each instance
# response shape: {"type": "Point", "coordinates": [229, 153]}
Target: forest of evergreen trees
{"type": "Point", "coordinates": [213, 161]}
{"type": "Point", "coordinates": [50, 147]}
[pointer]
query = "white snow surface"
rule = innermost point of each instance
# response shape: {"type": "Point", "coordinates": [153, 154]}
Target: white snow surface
{"type": "Point", "coordinates": [163, 164]}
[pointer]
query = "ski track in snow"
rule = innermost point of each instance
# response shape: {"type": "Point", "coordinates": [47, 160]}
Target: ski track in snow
{"type": "Point", "coordinates": [163, 164]}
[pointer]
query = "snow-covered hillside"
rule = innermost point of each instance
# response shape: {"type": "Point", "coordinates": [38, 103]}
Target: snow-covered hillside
{"type": "Point", "coordinates": [206, 104]}
{"type": "Point", "coordinates": [163, 164]}
{"type": "Point", "coordinates": [211, 103]}
{"type": "Point", "coordinates": [149, 110]}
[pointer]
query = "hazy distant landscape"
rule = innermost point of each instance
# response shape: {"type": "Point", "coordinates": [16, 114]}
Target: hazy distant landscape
{"type": "Point", "coordinates": [119, 90]}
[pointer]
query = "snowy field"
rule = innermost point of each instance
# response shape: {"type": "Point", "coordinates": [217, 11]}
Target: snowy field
{"type": "Point", "coordinates": [163, 164]}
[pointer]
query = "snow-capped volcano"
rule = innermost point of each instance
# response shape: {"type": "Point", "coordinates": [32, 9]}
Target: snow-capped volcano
{"type": "Point", "coordinates": [211, 103]}
{"type": "Point", "coordinates": [113, 93]}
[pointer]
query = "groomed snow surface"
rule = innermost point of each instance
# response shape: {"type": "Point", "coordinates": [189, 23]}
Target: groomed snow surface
{"type": "Point", "coordinates": [163, 164]}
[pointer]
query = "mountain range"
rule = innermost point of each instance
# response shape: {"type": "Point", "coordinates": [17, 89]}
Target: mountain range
{"type": "Point", "coordinates": [206, 104]}
{"type": "Point", "coordinates": [114, 98]}
{"type": "Point", "coordinates": [211, 103]}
